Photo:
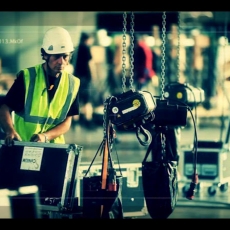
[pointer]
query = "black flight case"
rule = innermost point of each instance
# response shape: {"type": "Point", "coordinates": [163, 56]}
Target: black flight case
{"type": "Point", "coordinates": [53, 168]}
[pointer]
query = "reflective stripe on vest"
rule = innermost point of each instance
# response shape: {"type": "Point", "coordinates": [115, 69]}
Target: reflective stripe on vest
{"type": "Point", "coordinates": [39, 114]}
{"type": "Point", "coordinates": [28, 105]}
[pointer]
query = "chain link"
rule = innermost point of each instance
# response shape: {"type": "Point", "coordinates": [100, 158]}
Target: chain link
{"type": "Point", "coordinates": [124, 52]}
{"type": "Point", "coordinates": [131, 50]}
{"type": "Point", "coordinates": [163, 54]}
{"type": "Point", "coordinates": [124, 48]}
{"type": "Point", "coordinates": [163, 144]}
{"type": "Point", "coordinates": [104, 116]}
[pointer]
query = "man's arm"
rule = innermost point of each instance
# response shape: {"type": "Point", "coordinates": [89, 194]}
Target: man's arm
{"type": "Point", "coordinates": [7, 125]}
{"type": "Point", "coordinates": [51, 134]}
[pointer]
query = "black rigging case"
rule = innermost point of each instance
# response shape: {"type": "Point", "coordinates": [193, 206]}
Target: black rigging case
{"type": "Point", "coordinates": [133, 201]}
{"type": "Point", "coordinates": [212, 165]}
{"type": "Point", "coordinates": [51, 167]}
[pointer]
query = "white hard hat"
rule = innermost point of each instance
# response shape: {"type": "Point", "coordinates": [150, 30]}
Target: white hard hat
{"type": "Point", "coordinates": [57, 40]}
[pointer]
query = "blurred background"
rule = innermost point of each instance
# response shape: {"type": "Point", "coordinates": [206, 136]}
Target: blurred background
{"type": "Point", "coordinates": [196, 44]}
{"type": "Point", "coordinates": [203, 47]}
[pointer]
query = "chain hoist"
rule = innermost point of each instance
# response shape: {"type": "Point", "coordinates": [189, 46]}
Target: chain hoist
{"type": "Point", "coordinates": [131, 109]}
{"type": "Point", "coordinates": [176, 91]}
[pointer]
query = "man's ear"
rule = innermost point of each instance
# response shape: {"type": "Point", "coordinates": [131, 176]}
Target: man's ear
{"type": "Point", "coordinates": [44, 54]}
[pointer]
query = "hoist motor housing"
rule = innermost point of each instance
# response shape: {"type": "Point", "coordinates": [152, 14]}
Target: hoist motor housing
{"type": "Point", "coordinates": [131, 109]}
{"type": "Point", "coordinates": [168, 113]}
{"type": "Point", "coordinates": [184, 93]}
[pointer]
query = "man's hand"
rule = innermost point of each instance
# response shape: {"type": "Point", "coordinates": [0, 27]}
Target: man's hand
{"type": "Point", "coordinates": [11, 137]}
{"type": "Point", "coordinates": [40, 137]}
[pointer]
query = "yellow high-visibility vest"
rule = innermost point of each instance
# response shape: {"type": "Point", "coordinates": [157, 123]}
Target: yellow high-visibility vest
{"type": "Point", "coordinates": [40, 115]}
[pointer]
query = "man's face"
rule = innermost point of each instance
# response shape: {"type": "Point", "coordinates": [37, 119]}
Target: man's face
{"type": "Point", "coordinates": [58, 62]}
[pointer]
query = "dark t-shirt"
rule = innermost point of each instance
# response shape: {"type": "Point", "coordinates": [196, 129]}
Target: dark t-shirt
{"type": "Point", "coordinates": [15, 98]}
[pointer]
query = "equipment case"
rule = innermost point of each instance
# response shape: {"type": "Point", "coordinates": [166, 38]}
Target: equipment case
{"type": "Point", "coordinates": [51, 167]}
{"type": "Point", "coordinates": [133, 201]}
{"type": "Point", "coordinates": [212, 165]}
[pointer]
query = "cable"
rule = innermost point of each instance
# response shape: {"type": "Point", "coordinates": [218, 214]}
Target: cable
{"type": "Point", "coordinates": [192, 189]}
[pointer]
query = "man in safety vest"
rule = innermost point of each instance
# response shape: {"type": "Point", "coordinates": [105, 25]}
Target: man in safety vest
{"type": "Point", "coordinates": [43, 97]}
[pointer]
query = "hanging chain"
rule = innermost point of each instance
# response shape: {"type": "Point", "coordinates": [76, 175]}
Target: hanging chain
{"type": "Point", "coordinates": [178, 48]}
{"type": "Point", "coordinates": [163, 145]}
{"type": "Point", "coordinates": [131, 50]}
{"type": "Point", "coordinates": [123, 64]}
{"type": "Point", "coordinates": [163, 54]}
{"type": "Point", "coordinates": [124, 52]}
{"type": "Point", "coordinates": [104, 117]}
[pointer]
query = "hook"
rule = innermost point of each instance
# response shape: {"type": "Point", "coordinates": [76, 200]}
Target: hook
{"type": "Point", "coordinates": [146, 133]}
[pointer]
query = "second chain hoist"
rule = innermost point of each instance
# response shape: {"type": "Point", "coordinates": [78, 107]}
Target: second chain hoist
{"type": "Point", "coordinates": [183, 92]}
{"type": "Point", "coordinates": [176, 111]}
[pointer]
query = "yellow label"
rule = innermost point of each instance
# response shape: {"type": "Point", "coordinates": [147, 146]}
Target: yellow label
{"type": "Point", "coordinates": [179, 95]}
{"type": "Point", "coordinates": [136, 103]}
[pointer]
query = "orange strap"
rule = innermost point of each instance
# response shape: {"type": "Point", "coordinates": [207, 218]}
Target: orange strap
{"type": "Point", "coordinates": [104, 172]}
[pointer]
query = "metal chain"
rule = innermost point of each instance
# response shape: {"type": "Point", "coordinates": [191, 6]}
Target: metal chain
{"type": "Point", "coordinates": [131, 50]}
{"type": "Point", "coordinates": [163, 54]}
{"type": "Point", "coordinates": [178, 48]}
{"type": "Point", "coordinates": [123, 64]}
{"type": "Point", "coordinates": [104, 116]}
{"type": "Point", "coordinates": [163, 144]}
{"type": "Point", "coordinates": [124, 52]}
